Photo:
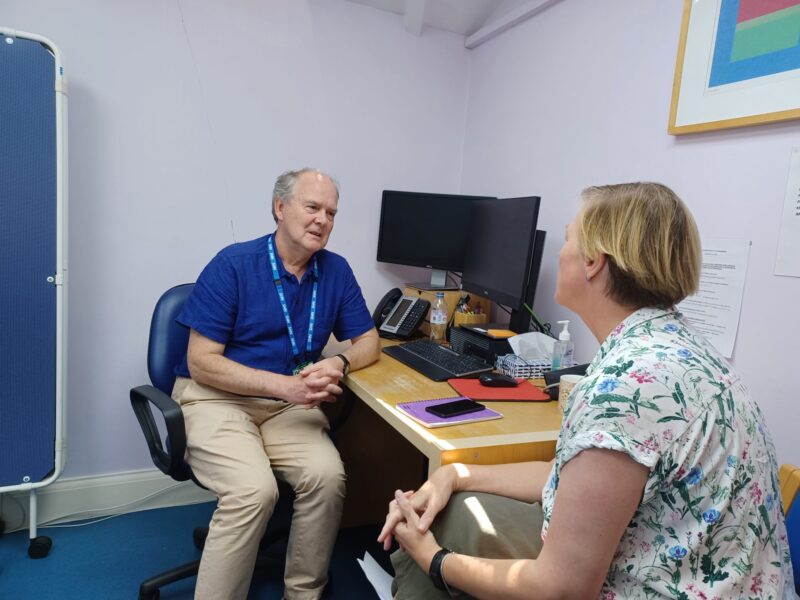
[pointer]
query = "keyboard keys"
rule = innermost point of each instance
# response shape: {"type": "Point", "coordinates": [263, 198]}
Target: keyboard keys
{"type": "Point", "coordinates": [436, 361]}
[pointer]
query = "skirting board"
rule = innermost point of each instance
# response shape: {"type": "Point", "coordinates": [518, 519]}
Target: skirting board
{"type": "Point", "coordinates": [80, 498]}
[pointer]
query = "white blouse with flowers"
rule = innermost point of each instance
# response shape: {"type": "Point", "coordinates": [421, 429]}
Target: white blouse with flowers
{"type": "Point", "coordinates": [710, 524]}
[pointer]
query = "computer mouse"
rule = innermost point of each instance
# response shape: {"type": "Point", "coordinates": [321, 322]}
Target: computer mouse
{"type": "Point", "coordinates": [497, 380]}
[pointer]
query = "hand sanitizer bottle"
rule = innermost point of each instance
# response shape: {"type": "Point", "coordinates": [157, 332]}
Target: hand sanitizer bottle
{"type": "Point", "coordinates": [563, 349]}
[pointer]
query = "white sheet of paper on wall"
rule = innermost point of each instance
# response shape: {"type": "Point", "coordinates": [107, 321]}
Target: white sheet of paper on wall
{"type": "Point", "coordinates": [716, 307]}
{"type": "Point", "coordinates": [787, 260]}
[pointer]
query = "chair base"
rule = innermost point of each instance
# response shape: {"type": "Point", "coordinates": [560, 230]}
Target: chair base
{"type": "Point", "coordinates": [151, 588]}
{"type": "Point", "coordinates": [269, 561]}
{"type": "Point", "coordinates": [270, 564]}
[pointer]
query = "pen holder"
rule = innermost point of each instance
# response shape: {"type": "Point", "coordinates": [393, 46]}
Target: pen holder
{"type": "Point", "coordinates": [460, 318]}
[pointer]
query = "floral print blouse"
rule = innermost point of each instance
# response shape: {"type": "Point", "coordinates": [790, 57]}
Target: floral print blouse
{"type": "Point", "coordinates": [710, 523]}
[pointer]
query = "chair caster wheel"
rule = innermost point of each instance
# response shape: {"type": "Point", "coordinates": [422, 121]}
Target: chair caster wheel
{"type": "Point", "coordinates": [39, 547]}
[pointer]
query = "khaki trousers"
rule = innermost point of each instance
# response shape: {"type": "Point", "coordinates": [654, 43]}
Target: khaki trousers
{"type": "Point", "coordinates": [236, 447]}
{"type": "Point", "coordinates": [475, 524]}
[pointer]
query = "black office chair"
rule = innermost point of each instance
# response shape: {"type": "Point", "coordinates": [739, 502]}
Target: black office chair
{"type": "Point", "coordinates": [167, 345]}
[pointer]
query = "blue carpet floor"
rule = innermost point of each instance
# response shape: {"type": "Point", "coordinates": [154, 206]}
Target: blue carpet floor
{"type": "Point", "coordinates": [108, 560]}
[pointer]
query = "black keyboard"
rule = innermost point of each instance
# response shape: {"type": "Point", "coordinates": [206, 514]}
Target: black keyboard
{"type": "Point", "coordinates": [436, 361]}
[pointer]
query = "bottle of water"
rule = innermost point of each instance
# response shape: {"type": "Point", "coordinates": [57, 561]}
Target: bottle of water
{"type": "Point", "coordinates": [439, 319]}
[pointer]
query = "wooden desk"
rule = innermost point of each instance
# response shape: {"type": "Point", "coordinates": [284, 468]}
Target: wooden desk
{"type": "Point", "coordinates": [527, 431]}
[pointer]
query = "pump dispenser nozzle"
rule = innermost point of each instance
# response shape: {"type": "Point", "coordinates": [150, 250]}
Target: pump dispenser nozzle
{"type": "Point", "coordinates": [564, 333]}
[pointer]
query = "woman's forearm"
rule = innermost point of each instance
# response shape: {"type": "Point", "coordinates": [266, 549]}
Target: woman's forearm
{"type": "Point", "coordinates": [508, 579]}
{"type": "Point", "coordinates": [521, 481]}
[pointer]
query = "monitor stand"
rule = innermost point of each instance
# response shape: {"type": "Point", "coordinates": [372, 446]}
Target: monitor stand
{"type": "Point", "coordinates": [438, 282]}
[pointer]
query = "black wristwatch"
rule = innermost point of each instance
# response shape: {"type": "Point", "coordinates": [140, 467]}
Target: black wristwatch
{"type": "Point", "coordinates": [345, 363]}
{"type": "Point", "coordinates": [435, 570]}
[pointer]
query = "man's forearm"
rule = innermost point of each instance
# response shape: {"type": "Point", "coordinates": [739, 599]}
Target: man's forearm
{"type": "Point", "coordinates": [225, 374]}
{"type": "Point", "coordinates": [364, 351]}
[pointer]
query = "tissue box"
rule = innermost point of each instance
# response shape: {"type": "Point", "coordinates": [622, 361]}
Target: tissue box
{"type": "Point", "coordinates": [513, 365]}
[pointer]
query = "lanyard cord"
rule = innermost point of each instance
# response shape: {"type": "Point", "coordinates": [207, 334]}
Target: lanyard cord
{"type": "Point", "coordinates": [312, 316]}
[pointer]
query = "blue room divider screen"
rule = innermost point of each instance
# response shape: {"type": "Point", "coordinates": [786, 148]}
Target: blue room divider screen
{"type": "Point", "coordinates": [28, 258]}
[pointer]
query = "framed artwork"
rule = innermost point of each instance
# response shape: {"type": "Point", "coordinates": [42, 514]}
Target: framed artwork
{"type": "Point", "coordinates": [738, 64]}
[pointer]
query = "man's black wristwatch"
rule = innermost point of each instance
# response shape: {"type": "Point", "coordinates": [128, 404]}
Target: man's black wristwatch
{"type": "Point", "coordinates": [435, 570]}
{"type": "Point", "coordinates": [345, 363]}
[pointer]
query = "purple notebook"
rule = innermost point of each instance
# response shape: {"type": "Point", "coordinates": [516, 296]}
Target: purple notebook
{"type": "Point", "coordinates": [416, 410]}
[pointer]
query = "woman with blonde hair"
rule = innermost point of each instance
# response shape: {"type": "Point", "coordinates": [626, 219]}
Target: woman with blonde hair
{"type": "Point", "coordinates": [664, 483]}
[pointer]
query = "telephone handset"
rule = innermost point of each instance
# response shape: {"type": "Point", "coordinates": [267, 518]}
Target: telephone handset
{"type": "Point", "coordinates": [399, 316]}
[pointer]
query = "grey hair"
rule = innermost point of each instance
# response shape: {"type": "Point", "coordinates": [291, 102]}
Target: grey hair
{"type": "Point", "coordinates": [284, 186]}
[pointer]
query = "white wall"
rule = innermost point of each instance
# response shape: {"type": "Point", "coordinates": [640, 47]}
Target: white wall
{"type": "Point", "coordinates": [580, 95]}
{"type": "Point", "coordinates": [182, 113]}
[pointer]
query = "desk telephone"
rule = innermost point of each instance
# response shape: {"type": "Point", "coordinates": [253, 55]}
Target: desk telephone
{"type": "Point", "coordinates": [398, 316]}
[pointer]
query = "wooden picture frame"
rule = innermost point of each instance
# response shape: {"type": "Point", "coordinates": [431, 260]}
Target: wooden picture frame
{"type": "Point", "coordinates": [734, 68]}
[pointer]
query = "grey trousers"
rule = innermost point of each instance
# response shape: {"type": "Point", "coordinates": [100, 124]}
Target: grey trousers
{"type": "Point", "coordinates": [475, 524]}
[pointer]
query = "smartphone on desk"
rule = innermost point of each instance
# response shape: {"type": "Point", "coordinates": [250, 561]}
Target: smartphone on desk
{"type": "Point", "coordinates": [455, 408]}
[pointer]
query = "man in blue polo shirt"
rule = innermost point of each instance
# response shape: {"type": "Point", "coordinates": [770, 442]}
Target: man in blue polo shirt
{"type": "Point", "coordinates": [251, 386]}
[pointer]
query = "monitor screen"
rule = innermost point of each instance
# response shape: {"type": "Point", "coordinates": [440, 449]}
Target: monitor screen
{"type": "Point", "coordinates": [502, 258]}
{"type": "Point", "coordinates": [425, 230]}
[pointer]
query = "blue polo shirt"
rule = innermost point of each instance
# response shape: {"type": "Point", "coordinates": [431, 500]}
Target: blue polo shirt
{"type": "Point", "coordinates": [235, 302]}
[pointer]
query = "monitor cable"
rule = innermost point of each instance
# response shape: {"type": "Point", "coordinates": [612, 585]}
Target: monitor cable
{"type": "Point", "coordinates": [540, 325]}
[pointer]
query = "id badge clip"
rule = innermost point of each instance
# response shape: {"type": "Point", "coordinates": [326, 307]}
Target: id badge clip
{"type": "Point", "coordinates": [301, 366]}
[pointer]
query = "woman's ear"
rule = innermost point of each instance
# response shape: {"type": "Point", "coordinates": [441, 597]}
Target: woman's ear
{"type": "Point", "coordinates": [593, 267]}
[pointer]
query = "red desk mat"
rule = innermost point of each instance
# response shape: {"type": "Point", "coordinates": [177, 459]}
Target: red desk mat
{"type": "Point", "coordinates": [473, 389]}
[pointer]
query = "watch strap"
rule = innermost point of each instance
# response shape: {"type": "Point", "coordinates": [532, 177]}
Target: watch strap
{"type": "Point", "coordinates": [435, 570]}
{"type": "Point", "coordinates": [345, 363]}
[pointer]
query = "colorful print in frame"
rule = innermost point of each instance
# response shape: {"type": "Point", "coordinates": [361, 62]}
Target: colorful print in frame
{"type": "Point", "coordinates": [738, 64]}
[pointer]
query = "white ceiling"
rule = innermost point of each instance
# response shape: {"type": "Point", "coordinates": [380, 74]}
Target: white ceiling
{"type": "Point", "coordinates": [457, 16]}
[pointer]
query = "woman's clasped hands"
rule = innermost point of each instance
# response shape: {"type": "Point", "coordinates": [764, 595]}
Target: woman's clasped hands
{"type": "Point", "coordinates": [411, 514]}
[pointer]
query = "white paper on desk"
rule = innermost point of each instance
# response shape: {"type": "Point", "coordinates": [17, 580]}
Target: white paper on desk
{"type": "Point", "coordinates": [787, 260]}
{"type": "Point", "coordinates": [380, 579]}
{"type": "Point", "coordinates": [532, 346]}
{"type": "Point", "coordinates": [714, 310]}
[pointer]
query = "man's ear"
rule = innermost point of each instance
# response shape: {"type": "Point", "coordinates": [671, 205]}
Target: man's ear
{"type": "Point", "coordinates": [593, 267]}
{"type": "Point", "coordinates": [279, 209]}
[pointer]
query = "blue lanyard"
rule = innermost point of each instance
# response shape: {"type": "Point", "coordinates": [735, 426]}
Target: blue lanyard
{"type": "Point", "coordinates": [279, 286]}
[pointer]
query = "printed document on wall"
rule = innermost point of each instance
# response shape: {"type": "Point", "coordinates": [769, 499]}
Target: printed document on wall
{"type": "Point", "coordinates": [714, 310]}
{"type": "Point", "coordinates": [787, 261]}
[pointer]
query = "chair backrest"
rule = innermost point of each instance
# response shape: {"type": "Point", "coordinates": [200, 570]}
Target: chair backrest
{"type": "Point", "coordinates": [168, 339]}
{"type": "Point", "coordinates": [789, 479]}
{"type": "Point", "coordinates": [793, 533]}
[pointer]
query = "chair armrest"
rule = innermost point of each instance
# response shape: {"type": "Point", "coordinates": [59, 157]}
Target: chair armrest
{"type": "Point", "coordinates": [338, 415]}
{"type": "Point", "coordinates": [170, 461]}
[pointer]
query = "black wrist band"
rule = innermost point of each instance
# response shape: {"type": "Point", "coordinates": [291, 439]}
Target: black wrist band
{"type": "Point", "coordinates": [345, 363]}
{"type": "Point", "coordinates": [435, 570]}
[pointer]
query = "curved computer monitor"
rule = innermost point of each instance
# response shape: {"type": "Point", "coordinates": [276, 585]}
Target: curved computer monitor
{"type": "Point", "coordinates": [425, 230]}
{"type": "Point", "coordinates": [504, 255]}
